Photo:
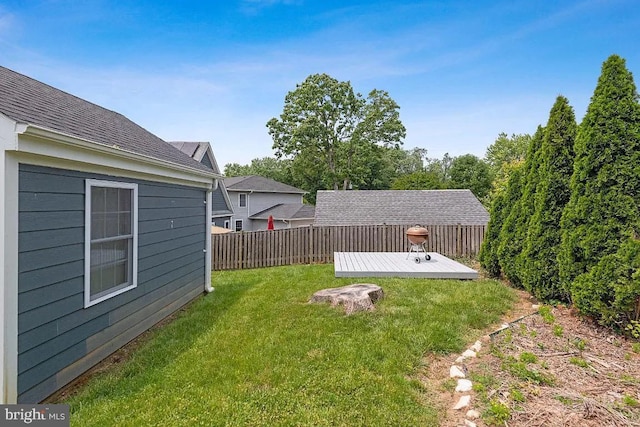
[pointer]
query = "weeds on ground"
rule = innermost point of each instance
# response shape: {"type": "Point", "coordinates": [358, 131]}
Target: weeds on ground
{"type": "Point", "coordinates": [579, 361]}
{"type": "Point", "coordinates": [545, 313]}
{"type": "Point", "coordinates": [497, 414]}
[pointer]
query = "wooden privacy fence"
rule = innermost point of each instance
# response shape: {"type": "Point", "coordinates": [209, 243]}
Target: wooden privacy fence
{"type": "Point", "coordinates": [308, 245]}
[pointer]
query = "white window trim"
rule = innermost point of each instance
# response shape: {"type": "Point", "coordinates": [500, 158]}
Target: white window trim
{"type": "Point", "coordinates": [87, 239]}
{"type": "Point", "coordinates": [235, 222]}
{"type": "Point", "coordinates": [246, 200]}
{"type": "Point", "coordinates": [227, 224]}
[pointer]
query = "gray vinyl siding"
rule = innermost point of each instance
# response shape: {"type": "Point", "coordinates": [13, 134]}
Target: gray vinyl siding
{"type": "Point", "coordinates": [218, 203]}
{"type": "Point", "coordinates": [206, 161]}
{"type": "Point", "coordinates": [59, 339]}
{"type": "Point", "coordinates": [257, 202]}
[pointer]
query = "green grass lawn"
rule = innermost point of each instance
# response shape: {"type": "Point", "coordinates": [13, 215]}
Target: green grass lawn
{"type": "Point", "coordinates": [255, 353]}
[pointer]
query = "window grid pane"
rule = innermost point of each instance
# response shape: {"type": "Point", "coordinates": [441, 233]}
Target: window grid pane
{"type": "Point", "coordinates": [110, 260]}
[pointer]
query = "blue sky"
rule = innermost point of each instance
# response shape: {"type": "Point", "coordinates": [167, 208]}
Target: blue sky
{"type": "Point", "coordinates": [461, 71]}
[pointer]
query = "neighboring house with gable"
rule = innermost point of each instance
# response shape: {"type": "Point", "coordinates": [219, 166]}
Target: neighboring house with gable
{"type": "Point", "coordinates": [399, 207]}
{"type": "Point", "coordinates": [221, 212]}
{"type": "Point", "coordinates": [254, 198]}
{"type": "Point", "coordinates": [105, 233]}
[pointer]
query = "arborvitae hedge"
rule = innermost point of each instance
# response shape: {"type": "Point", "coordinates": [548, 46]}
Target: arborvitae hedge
{"type": "Point", "coordinates": [514, 227]}
{"type": "Point", "coordinates": [489, 250]}
{"type": "Point", "coordinates": [605, 193]}
{"type": "Point", "coordinates": [508, 248]}
{"type": "Point", "coordinates": [527, 208]}
{"type": "Point", "coordinates": [540, 275]}
{"type": "Point", "coordinates": [610, 291]}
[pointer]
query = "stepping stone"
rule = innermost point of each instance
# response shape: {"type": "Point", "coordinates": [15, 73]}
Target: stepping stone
{"type": "Point", "coordinates": [456, 372]}
{"type": "Point", "coordinates": [463, 402]}
{"type": "Point", "coordinates": [464, 385]}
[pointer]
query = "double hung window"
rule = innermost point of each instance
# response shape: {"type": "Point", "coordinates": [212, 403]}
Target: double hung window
{"type": "Point", "coordinates": [111, 239]}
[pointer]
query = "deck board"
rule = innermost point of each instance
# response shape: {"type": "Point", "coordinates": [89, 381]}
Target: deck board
{"type": "Point", "coordinates": [397, 264]}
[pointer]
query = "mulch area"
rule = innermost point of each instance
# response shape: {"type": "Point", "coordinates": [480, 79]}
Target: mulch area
{"type": "Point", "coordinates": [573, 373]}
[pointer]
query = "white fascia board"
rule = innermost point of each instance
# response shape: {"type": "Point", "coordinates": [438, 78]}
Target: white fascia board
{"type": "Point", "coordinates": [8, 278]}
{"type": "Point", "coordinates": [68, 151]}
{"type": "Point", "coordinates": [8, 263]}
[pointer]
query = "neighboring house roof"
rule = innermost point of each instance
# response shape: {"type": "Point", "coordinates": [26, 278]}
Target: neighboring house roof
{"type": "Point", "coordinates": [198, 151]}
{"type": "Point", "coordinates": [425, 207]}
{"type": "Point", "coordinates": [34, 103]}
{"type": "Point", "coordinates": [287, 211]}
{"type": "Point", "coordinates": [259, 184]}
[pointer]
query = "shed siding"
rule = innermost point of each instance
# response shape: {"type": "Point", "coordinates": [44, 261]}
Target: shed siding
{"type": "Point", "coordinates": [59, 339]}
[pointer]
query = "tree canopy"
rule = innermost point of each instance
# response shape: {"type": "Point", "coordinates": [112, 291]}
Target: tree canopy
{"type": "Point", "coordinates": [468, 171]}
{"type": "Point", "coordinates": [506, 149]}
{"type": "Point", "coordinates": [268, 167]}
{"type": "Point", "coordinates": [335, 134]}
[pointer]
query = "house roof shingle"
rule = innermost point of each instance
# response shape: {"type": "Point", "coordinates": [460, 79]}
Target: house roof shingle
{"type": "Point", "coordinates": [26, 100]}
{"type": "Point", "coordinates": [259, 184]}
{"type": "Point", "coordinates": [406, 207]}
{"type": "Point", "coordinates": [287, 211]}
{"type": "Point", "coordinates": [187, 147]}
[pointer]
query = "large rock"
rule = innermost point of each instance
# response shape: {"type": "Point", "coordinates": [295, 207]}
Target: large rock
{"type": "Point", "coordinates": [356, 297]}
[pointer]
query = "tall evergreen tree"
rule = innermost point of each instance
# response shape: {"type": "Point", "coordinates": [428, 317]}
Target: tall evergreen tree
{"type": "Point", "coordinates": [527, 201]}
{"type": "Point", "coordinates": [519, 198]}
{"type": "Point", "coordinates": [604, 209]}
{"type": "Point", "coordinates": [499, 211]}
{"type": "Point", "coordinates": [541, 275]}
{"type": "Point", "coordinates": [489, 250]}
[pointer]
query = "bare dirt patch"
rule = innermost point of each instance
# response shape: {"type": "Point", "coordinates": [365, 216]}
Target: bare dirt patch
{"type": "Point", "coordinates": [551, 368]}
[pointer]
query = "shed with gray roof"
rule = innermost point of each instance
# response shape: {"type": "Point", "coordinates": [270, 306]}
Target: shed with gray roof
{"type": "Point", "coordinates": [399, 207]}
{"type": "Point", "coordinates": [106, 232]}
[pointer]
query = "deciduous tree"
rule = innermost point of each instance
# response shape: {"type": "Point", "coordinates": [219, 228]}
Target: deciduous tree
{"type": "Point", "coordinates": [468, 171]}
{"type": "Point", "coordinates": [421, 180]}
{"type": "Point", "coordinates": [325, 120]}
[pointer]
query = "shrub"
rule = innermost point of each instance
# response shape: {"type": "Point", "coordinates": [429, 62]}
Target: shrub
{"type": "Point", "coordinates": [610, 291]}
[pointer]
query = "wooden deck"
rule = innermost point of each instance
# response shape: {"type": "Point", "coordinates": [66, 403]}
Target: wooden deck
{"type": "Point", "coordinates": [396, 264]}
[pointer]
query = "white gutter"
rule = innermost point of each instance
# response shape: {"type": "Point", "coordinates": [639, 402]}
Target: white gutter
{"type": "Point", "coordinates": [207, 261]}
